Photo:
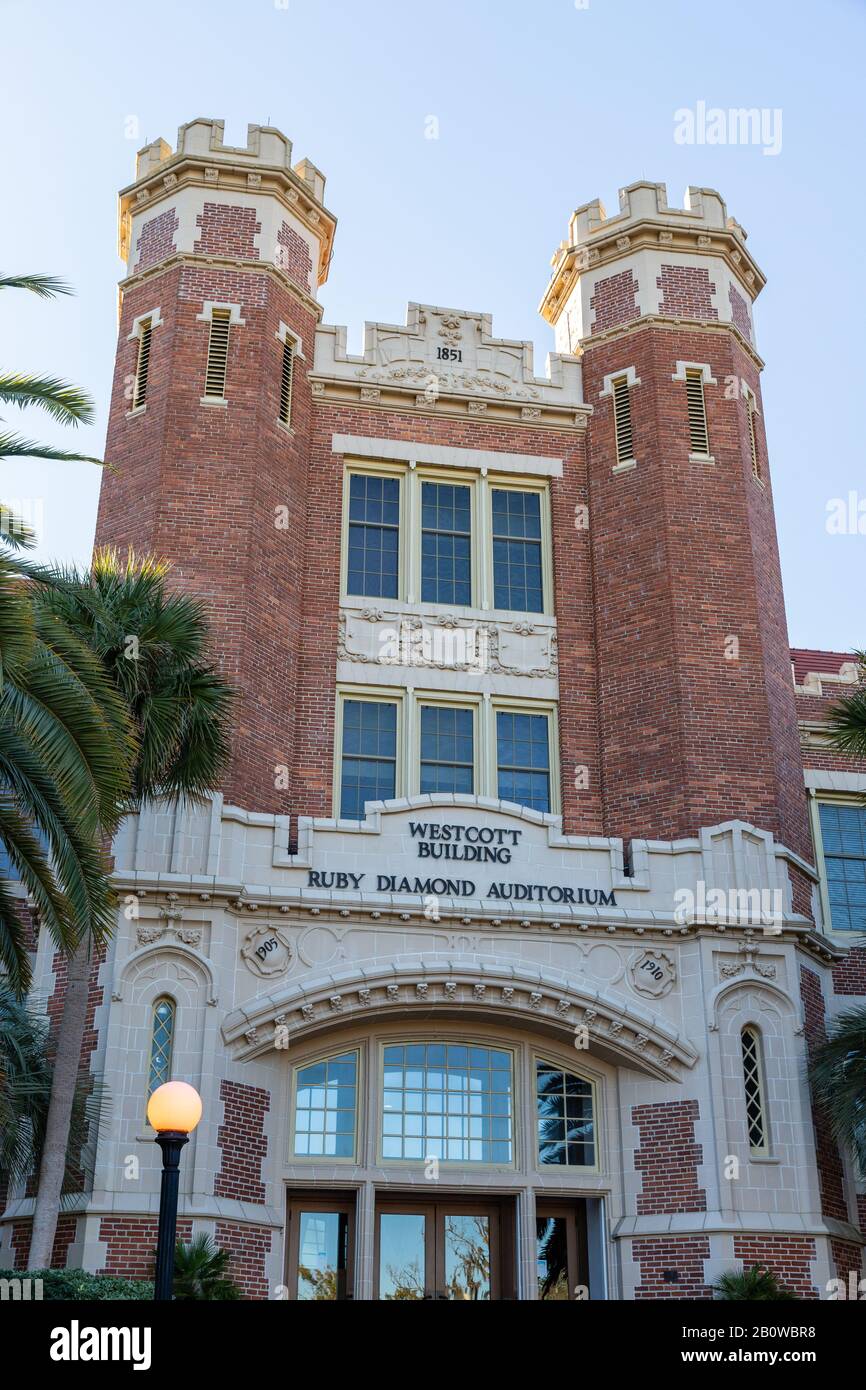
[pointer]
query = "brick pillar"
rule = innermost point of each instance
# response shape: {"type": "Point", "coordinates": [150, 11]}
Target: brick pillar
{"type": "Point", "coordinates": [221, 489]}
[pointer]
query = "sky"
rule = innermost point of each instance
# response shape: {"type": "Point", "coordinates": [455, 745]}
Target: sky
{"type": "Point", "coordinates": [536, 108]}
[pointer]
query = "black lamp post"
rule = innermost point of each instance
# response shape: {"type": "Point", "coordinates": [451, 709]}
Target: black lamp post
{"type": "Point", "coordinates": [174, 1110]}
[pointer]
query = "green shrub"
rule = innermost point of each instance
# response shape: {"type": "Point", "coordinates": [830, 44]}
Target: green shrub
{"type": "Point", "coordinates": [757, 1283]}
{"type": "Point", "coordinates": [76, 1285]}
{"type": "Point", "coordinates": [201, 1272]}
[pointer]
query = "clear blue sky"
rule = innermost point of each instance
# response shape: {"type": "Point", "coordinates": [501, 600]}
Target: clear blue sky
{"type": "Point", "coordinates": [541, 106]}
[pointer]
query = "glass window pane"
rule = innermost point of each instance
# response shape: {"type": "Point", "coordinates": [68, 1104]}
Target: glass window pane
{"type": "Point", "coordinates": [565, 1135]}
{"type": "Point", "coordinates": [446, 544]}
{"type": "Point", "coordinates": [325, 1107]}
{"type": "Point", "coordinates": [161, 1040]}
{"type": "Point", "coordinates": [551, 1243]}
{"type": "Point", "coordinates": [517, 570]}
{"type": "Point", "coordinates": [843, 834]}
{"type": "Point", "coordinates": [402, 1255]}
{"type": "Point", "coordinates": [369, 762]}
{"type": "Point", "coordinates": [323, 1242]}
{"type": "Point", "coordinates": [523, 759]}
{"type": "Point", "coordinates": [451, 1093]}
{"type": "Point", "coordinates": [447, 749]}
{"type": "Point", "coordinates": [374, 530]}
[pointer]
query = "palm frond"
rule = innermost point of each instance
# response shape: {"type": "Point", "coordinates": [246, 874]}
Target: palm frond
{"type": "Point", "coordinates": [14, 447]}
{"type": "Point", "coordinates": [61, 400]}
{"type": "Point", "coordinates": [838, 1075]}
{"type": "Point", "coordinates": [45, 286]}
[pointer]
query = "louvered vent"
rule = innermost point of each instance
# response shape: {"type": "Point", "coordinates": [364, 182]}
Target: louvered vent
{"type": "Point", "coordinates": [698, 437]}
{"type": "Point", "coordinates": [286, 382]}
{"type": "Point", "coordinates": [622, 420]}
{"type": "Point", "coordinates": [753, 439]}
{"type": "Point", "coordinates": [217, 353]}
{"type": "Point", "coordinates": [142, 365]}
{"type": "Point", "coordinates": [756, 1124]}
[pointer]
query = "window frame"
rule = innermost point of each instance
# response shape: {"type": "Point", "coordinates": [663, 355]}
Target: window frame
{"type": "Point", "coordinates": [594, 1169]}
{"type": "Point", "coordinates": [407, 782]}
{"type": "Point", "coordinates": [817, 798]}
{"type": "Point", "coordinates": [382, 695]}
{"type": "Point", "coordinates": [357, 1049]}
{"type": "Point", "coordinates": [481, 487]}
{"type": "Point", "coordinates": [464, 1040]}
{"type": "Point", "coordinates": [163, 998]}
{"type": "Point", "coordinates": [766, 1150]}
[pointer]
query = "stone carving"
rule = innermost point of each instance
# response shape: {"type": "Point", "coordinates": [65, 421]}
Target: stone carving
{"type": "Point", "coordinates": [652, 972]}
{"type": "Point", "coordinates": [535, 1000]}
{"type": "Point", "coordinates": [479, 991]}
{"type": "Point", "coordinates": [563, 1006]}
{"type": "Point", "coordinates": [421, 990]}
{"type": "Point", "coordinates": [507, 994]}
{"type": "Point", "coordinates": [364, 998]}
{"type": "Point", "coordinates": [307, 1012]}
{"type": "Point", "coordinates": [267, 951]}
{"type": "Point", "coordinates": [748, 961]}
{"type": "Point", "coordinates": [450, 989]}
{"type": "Point", "coordinates": [147, 935]}
{"type": "Point", "coordinates": [392, 992]}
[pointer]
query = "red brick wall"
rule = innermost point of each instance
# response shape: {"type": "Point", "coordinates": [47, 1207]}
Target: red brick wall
{"type": "Point", "coordinates": [249, 1246]}
{"type": "Point", "coordinates": [740, 313]}
{"type": "Point", "coordinates": [156, 239]}
{"type": "Point", "coordinates": [847, 1258]}
{"type": "Point", "coordinates": [228, 231]}
{"type": "Point", "coordinates": [131, 1242]}
{"type": "Point", "coordinates": [201, 485]}
{"type": "Point", "coordinates": [686, 293]}
{"type": "Point", "coordinates": [849, 975]}
{"type": "Point", "coordinates": [830, 1171]}
{"type": "Point", "coordinates": [293, 256]}
{"type": "Point", "coordinates": [668, 1158]}
{"type": "Point", "coordinates": [242, 1140]}
{"type": "Point", "coordinates": [614, 300]}
{"type": "Point", "coordinates": [788, 1257]}
{"type": "Point", "coordinates": [64, 1235]}
{"type": "Point", "coordinates": [686, 1256]}
{"type": "Point", "coordinates": [718, 737]}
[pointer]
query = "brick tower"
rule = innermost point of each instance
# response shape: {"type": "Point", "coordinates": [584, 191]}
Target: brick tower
{"type": "Point", "coordinates": [225, 249]}
{"type": "Point", "coordinates": [696, 707]}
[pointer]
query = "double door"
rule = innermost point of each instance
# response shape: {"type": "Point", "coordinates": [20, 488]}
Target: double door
{"type": "Point", "coordinates": [449, 1250]}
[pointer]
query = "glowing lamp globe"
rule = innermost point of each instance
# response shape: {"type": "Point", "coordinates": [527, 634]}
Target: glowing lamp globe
{"type": "Point", "coordinates": [174, 1106]}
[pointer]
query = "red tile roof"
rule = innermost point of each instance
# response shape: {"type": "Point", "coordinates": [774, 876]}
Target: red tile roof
{"type": "Point", "coordinates": [807, 659]}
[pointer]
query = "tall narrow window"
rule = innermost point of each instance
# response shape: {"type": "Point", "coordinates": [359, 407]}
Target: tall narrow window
{"type": "Point", "coordinates": [843, 842]}
{"type": "Point", "coordinates": [217, 353]}
{"type": "Point", "coordinates": [753, 438]}
{"type": "Point", "coordinates": [142, 366]}
{"type": "Point", "coordinates": [446, 531]}
{"type": "Point", "coordinates": [374, 536]}
{"type": "Point", "coordinates": [369, 763]}
{"type": "Point", "coordinates": [325, 1102]}
{"type": "Point", "coordinates": [622, 420]}
{"type": "Point", "coordinates": [161, 1043]}
{"type": "Point", "coordinates": [753, 1081]}
{"type": "Point", "coordinates": [447, 749]}
{"type": "Point", "coordinates": [566, 1122]}
{"type": "Point", "coordinates": [698, 436]}
{"type": "Point", "coordinates": [286, 382]}
{"type": "Point", "coordinates": [517, 568]}
{"type": "Point", "coordinates": [523, 758]}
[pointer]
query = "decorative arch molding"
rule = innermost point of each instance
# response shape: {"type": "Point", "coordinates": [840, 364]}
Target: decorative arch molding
{"type": "Point", "coordinates": [544, 1001]}
{"type": "Point", "coordinates": [160, 951]}
{"type": "Point", "coordinates": [774, 996]}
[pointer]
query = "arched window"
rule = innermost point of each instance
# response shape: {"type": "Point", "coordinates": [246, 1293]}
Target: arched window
{"type": "Point", "coordinates": [753, 1084]}
{"type": "Point", "coordinates": [161, 1042]}
{"type": "Point", "coordinates": [565, 1110]}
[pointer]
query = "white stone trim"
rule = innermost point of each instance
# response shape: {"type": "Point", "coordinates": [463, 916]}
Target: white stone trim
{"type": "Point", "coordinates": [702, 367]}
{"type": "Point", "coordinates": [481, 460]}
{"type": "Point", "coordinates": [631, 379]}
{"type": "Point", "coordinates": [210, 304]}
{"type": "Point", "coordinates": [284, 332]}
{"type": "Point", "coordinates": [826, 780]}
{"type": "Point", "coordinates": [156, 321]}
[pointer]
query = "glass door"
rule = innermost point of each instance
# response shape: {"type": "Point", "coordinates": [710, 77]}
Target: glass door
{"type": "Point", "coordinates": [439, 1250]}
{"type": "Point", "coordinates": [320, 1250]}
{"type": "Point", "coordinates": [560, 1251]}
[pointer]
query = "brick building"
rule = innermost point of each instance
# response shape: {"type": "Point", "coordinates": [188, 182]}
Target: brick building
{"type": "Point", "coordinates": [498, 959]}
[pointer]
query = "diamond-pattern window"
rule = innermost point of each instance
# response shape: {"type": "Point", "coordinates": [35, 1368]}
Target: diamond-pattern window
{"type": "Point", "coordinates": [756, 1120]}
{"type": "Point", "coordinates": [161, 1041]}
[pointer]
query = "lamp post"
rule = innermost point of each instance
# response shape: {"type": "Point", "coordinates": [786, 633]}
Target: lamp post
{"type": "Point", "coordinates": [174, 1110]}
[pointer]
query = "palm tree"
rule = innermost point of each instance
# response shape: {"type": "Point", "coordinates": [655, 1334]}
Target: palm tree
{"type": "Point", "coordinates": [61, 401]}
{"type": "Point", "coordinates": [848, 718]}
{"type": "Point", "coordinates": [152, 644]}
{"type": "Point", "coordinates": [201, 1273]}
{"type": "Point", "coordinates": [838, 1075]}
{"type": "Point", "coordinates": [756, 1283]}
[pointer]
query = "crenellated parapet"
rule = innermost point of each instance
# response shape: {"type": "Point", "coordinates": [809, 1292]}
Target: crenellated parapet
{"type": "Point", "coordinates": [227, 204]}
{"type": "Point", "coordinates": [651, 260]}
